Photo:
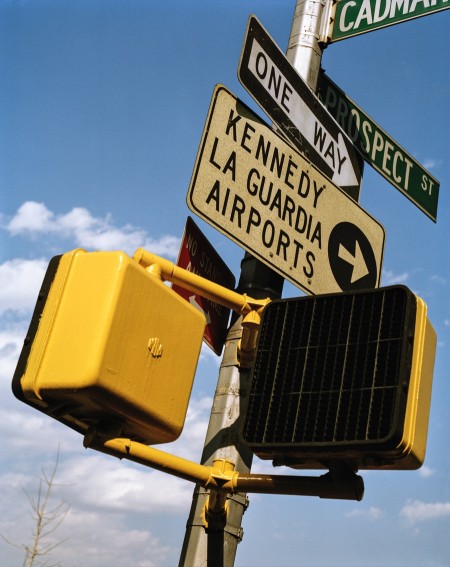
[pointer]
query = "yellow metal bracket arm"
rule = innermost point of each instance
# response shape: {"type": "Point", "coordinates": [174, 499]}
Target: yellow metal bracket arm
{"type": "Point", "coordinates": [250, 308]}
{"type": "Point", "coordinates": [221, 477]}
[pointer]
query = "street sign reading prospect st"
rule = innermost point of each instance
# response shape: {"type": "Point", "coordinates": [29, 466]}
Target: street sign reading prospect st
{"type": "Point", "coordinates": [281, 92]}
{"type": "Point", "coordinates": [380, 150]}
{"type": "Point", "coordinates": [197, 255]}
{"type": "Point", "coordinates": [353, 17]}
{"type": "Point", "coordinates": [251, 185]}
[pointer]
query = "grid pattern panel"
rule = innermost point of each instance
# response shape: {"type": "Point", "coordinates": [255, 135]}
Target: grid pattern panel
{"type": "Point", "coordinates": [328, 369]}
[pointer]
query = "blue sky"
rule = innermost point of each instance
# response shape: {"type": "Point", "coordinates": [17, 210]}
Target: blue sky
{"type": "Point", "coordinates": [102, 107]}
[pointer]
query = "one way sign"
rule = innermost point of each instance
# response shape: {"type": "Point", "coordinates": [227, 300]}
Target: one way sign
{"type": "Point", "coordinates": [269, 77]}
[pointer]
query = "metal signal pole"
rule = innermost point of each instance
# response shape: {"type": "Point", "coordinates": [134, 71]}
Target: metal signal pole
{"type": "Point", "coordinates": [211, 539]}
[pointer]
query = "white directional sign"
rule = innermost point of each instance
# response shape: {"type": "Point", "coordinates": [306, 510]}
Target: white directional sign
{"type": "Point", "coordinates": [282, 93]}
{"type": "Point", "coordinates": [251, 185]}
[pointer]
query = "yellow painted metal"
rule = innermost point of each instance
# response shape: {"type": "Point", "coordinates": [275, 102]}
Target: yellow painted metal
{"type": "Point", "coordinates": [214, 515]}
{"type": "Point", "coordinates": [155, 458]}
{"type": "Point", "coordinates": [241, 303]}
{"type": "Point", "coordinates": [114, 344]}
{"type": "Point", "coordinates": [247, 344]}
{"type": "Point", "coordinates": [222, 477]}
{"type": "Point", "coordinates": [411, 450]}
{"type": "Point", "coordinates": [116, 350]}
{"type": "Point", "coordinates": [114, 356]}
{"type": "Point", "coordinates": [247, 306]}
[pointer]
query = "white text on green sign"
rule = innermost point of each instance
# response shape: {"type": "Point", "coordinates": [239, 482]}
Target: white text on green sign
{"type": "Point", "coordinates": [353, 17]}
{"type": "Point", "coordinates": [380, 150]}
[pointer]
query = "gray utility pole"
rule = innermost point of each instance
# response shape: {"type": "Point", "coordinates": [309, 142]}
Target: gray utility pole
{"type": "Point", "coordinates": [212, 541]}
{"type": "Point", "coordinates": [216, 545]}
{"type": "Point", "coordinates": [304, 50]}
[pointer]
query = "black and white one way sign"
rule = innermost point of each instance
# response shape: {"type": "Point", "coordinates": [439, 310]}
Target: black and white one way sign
{"type": "Point", "coordinates": [286, 98]}
{"type": "Point", "coordinates": [252, 186]}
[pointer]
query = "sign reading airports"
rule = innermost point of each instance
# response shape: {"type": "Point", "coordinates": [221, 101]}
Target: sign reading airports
{"type": "Point", "coordinates": [380, 150]}
{"type": "Point", "coordinates": [198, 256]}
{"type": "Point", "coordinates": [353, 17]}
{"type": "Point", "coordinates": [250, 184]}
{"type": "Point", "coordinates": [274, 83]}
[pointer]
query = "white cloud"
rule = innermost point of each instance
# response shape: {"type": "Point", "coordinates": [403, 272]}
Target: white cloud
{"type": "Point", "coordinates": [110, 483]}
{"type": "Point", "coordinates": [11, 340]}
{"type": "Point", "coordinates": [435, 278]}
{"type": "Point", "coordinates": [373, 513]}
{"type": "Point", "coordinates": [98, 539]}
{"type": "Point", "coordinates": [390, 278]}
{"type": "Point", "coordinates": [34, 219]}
{"type": "Point", "coordinates": [20, 281]}
{"type": "Point", "coordinates": [191, 441]}
{"type": "Point", "coordinates": [96, 482]}
{"type": "Point", "coordinates": [31, 217]}
{"type": "Point", "coordinates": [90, 538]}
{"type": "Point", "coordinates": [107, 496]}
{"type": "Point", "coordinates": [417, 511]}
{"type": "Point", "coordinates": [426, 472]}
{"type": "Point", "coordinates": [431, 163]}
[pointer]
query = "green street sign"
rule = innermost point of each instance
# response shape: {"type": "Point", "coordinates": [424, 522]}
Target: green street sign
{"type": "Point", "coordinates": [353, 17]}
{"type": "Point", "coordinates": [380, 150]}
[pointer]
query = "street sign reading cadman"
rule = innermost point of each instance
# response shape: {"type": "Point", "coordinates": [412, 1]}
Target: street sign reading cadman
{"type": "Point", "coordinates": [349, 18]}
{"type": "Point", "coordinates": [251, 185]}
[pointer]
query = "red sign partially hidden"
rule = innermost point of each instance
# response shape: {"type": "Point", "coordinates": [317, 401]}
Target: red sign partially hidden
{"type": "Point", "coordinates": [198, 256]}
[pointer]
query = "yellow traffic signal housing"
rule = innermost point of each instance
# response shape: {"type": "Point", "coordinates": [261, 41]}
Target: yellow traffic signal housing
{"type": "Point", "coordinates": [342, 379]}
{"type": "Point", "coordinates": [110, 344]}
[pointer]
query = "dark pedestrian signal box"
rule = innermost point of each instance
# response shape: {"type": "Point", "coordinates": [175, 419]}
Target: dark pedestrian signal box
{"type": "Point", "coordinates": [342, 379]}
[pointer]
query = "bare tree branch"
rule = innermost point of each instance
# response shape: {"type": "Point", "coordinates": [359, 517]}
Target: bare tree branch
{"type": "Point", "coordinates": [47, 520]}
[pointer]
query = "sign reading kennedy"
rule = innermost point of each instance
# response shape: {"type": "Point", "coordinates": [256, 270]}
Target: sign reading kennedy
{"type": "Point", "coordinates": [353, 17]}
{"type": "Point", "coordinates": [255, 188]}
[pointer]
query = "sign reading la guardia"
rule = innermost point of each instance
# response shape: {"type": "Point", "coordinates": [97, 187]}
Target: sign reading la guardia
{"type": "Point", "coordinates": [259, 191]}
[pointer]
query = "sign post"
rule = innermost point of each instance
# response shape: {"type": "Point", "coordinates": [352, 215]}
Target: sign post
{"type": "Point", "coordinates": [252, 186]}
{"type": "Point", "coordinates": [219, 545]}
